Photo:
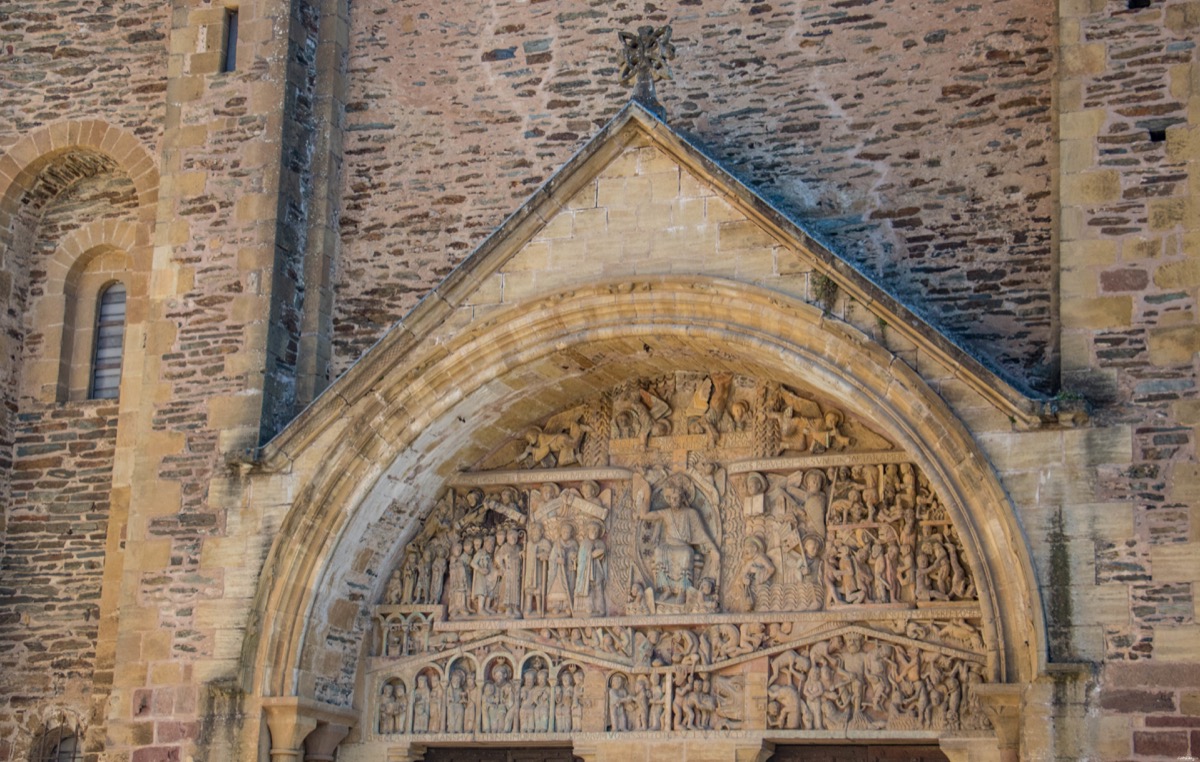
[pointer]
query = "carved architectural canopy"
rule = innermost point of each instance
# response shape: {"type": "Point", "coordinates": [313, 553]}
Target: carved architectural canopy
{"type": "Point", "coordinates": [689, 552]}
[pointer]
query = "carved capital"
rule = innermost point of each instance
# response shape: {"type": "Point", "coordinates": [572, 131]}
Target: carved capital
{"type": "Point", "coordinates": [321, 744]}
{"type": "Point", "coordinates": [1003, 704]}
{"type": "Point", "coordinates": [292, 719]}
{"type": "Point", "coordinates": [289, 727]}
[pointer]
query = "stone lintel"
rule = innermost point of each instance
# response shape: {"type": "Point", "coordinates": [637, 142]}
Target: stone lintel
{"type": "Point", "coordinates": [623, 750]}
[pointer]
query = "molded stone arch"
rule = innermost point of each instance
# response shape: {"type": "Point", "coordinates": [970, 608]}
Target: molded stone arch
{"type": "Point", "coordinates": [22, 162]}
{"type": "Point", "coordinates": [65, 310]}
{"type": "Point", "coordinates": [400, 432]}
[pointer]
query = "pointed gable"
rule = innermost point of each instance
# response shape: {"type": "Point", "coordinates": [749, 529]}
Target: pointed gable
{"type": "Point", "coordinates": [642, 200]}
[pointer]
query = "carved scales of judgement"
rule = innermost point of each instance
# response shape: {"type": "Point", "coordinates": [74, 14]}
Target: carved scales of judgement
{"type": "Point", "coordinates": [693, 552]}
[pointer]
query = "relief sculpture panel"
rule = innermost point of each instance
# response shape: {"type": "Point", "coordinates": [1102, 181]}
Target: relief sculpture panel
{"type": "Point", "coordinates": [692, 552]}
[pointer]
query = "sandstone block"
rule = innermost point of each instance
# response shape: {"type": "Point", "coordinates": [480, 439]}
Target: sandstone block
{"type": "Point", "coordinates": [1185, 274]}
{"type": "Point", "coordinates": [1176, 563]}
{"type": "Point", "coordinates": [1084, 59]}
{"type": "Point", "coordinates": [1174, 346]}
{"type": "Point", "coordinates": [1103, 312]}
{"type": "Point", "coordinates": [1166, 213]}
{"type": "Point", "coordinates": [1082, 125]}
{"type": "Point", "coordinates": [1089, 188]}
{"type": "Point", "coordinates": [1183, 17]}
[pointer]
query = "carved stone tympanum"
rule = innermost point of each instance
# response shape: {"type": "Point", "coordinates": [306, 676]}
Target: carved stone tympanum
{"type": "Point", "coordinates": [692, 552]}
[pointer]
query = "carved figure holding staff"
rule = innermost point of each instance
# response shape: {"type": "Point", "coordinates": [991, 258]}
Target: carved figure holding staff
{"type": "Point", "coordinates": [537, 562]}
{"type": "Point", "coordinates": [591, 573]}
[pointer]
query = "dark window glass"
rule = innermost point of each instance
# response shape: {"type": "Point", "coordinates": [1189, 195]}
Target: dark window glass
{"type": "Point", "coordinates": [110, 340]}
{"type": "Point", "coordinates": [58, 745]}
{"type": "Point", "coordinates": [229, 59]}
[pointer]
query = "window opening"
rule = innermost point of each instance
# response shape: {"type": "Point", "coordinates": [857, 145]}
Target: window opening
{"type": "Point", "coordinates": [229, 51]}
{"type": "Point", "coordinates": [59, 744]}
{"type": "Point", "coordinates": [110, 340]}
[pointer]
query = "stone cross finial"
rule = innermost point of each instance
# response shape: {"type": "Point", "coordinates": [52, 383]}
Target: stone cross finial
{"type": "Point", "coordinates": [646, 54]}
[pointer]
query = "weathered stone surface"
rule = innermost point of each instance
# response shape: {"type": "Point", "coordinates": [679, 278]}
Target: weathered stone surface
{"type": "Point", "coordinates": [305, 205]}
{"type": "Point", "coordinates": [971, 96]}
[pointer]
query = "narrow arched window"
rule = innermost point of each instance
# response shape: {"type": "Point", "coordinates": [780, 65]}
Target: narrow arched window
{"type": "Point", "coordinates": [59, 744]}
{"type": "Point", "coordinates": [110, 338]}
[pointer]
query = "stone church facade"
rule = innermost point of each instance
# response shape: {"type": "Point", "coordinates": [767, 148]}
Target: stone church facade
{"type": "Point", "coordinates": [394, 380]}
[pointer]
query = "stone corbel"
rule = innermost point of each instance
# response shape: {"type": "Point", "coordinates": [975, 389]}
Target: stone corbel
{"type": "Point", "coordinates": [970, 749]}
{"type": "Point", "coordinates": [1003, 705]}
{"type": "Point", "coordinates": [408, 752]}
{"type": "Point", "coordinates": [754, 751]}
{"type": "Point", "coordinates": [321, 744]}
{"type": "Point", "coordinates": [303, 729]}
{"type": "Point", "coordinates": [587, 751]}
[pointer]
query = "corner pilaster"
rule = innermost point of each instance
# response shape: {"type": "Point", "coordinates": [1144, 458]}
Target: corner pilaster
{"type": "Point", "coordinates": [1003, 705]}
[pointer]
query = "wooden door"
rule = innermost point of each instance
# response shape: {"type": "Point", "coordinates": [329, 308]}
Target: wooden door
{"type": "Point", "coordinates": [483, 754]}
{"type": "Point", "coordinates": [880, 753]}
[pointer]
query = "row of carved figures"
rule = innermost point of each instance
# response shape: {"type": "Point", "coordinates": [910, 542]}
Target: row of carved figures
{"type": "Point", "coordinates": [683, 700]}
{"type": "Point", "coordinates": [800, 552]}
{"type": "Point", "coordinates": [506, 572]}
{"type": "Point", "coordinates": [710, 406]}
{"type": "Point", "coordinates": [860, 683]}
{"type": "Point", "coordinates": [536, 702]}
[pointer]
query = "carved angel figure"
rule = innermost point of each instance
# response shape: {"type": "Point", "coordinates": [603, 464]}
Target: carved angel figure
{"type": "Point", "coordinates": [555, 445]}
{"type": "Point", "coordinates": [804, 426]}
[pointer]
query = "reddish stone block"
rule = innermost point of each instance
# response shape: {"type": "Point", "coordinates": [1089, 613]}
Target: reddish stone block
{"type": "Point", "coordinates": [1124, 280]}
{"type": "Point", "coordinates": [1137, 702]}
{"type": "Point", "coordinates": [1172, 721]}
{"type": "Point", "coordinates": [142, 699]}
{"type": "Point", "coordinates": [173, 732]}
{"type": "Point", "coordinates": [1160, 675]}
{"type": "Point", "coordinates": [1165, 744]}
{"type": "Point", "coordinates": [156, 754]}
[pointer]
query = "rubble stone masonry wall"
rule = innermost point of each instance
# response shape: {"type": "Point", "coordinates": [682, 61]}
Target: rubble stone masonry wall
{"type": "Point", "coordinates": [63, 62]}
{"type": "Point", "coordinates": [1025, 175]}
{"type": "Point", "coordinates": [1130, 256]}
{"type": "Point", "coordinates": [916, 137]}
